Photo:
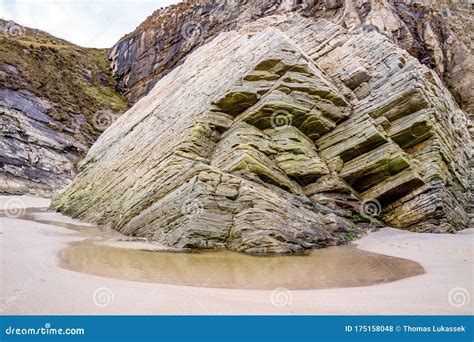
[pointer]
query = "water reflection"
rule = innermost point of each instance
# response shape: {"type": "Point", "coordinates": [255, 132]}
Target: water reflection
{"type": "Point", "coordinates": [343, 266]}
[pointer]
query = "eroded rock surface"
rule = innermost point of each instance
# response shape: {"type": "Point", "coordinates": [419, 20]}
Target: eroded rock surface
{"type": "Point", "coordinates": [55, 100]}
{"type": "Point", "coordinates": [437, 32]}
{"type": "Point", "coordinates": [277, 138]}
{"type": "Point", "coordinates": [38, 154]}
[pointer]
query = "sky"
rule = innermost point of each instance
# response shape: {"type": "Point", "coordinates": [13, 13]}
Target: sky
{"type": "Point", "coordinates": [88, 23]}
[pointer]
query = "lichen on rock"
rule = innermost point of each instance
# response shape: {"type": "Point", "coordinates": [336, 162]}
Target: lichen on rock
{"type": "Point", "coordinates": [277, 145]}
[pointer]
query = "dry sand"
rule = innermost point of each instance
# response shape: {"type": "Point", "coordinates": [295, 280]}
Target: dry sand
{"type": "Point", "coordinates": [33, 283]}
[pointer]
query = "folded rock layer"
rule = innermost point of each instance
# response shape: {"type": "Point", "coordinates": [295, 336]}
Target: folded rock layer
{"type": "Point", "coordinates": [278, 138]}
{"type": "Point", "coordinates": [436, 32]}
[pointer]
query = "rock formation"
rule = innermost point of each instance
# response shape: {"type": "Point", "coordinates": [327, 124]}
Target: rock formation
{"type": "Point", "coordinates": [437, 32]}
{"type": "Point", "coordinates": [55, 100]}
{"type": "Point", "coordinates": [276, 138]}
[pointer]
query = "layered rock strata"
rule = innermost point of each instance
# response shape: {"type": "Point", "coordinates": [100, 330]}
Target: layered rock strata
{"type": "Point", "coordinates": [436, 32]}
{"type": "Point", "coordinates": [55, 100]}
{"type": "Point", "coordinates": [276, 139]}
{"type": "Point", "coordinates": [37, 153]}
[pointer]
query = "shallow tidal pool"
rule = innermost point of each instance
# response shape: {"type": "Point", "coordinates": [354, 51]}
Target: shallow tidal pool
{"type": "Point", "coordinates": [342, 266]}
{"type": "Point", "coordinates": [333, 267]}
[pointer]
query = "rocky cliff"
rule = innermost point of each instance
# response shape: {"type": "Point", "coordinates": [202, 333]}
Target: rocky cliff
{"type": "Point", "coordinates": [55, 100]}
{"type": "Point", "coordinates": [279, 135]}
{"type": "Point", "coordinates": [437, 32]}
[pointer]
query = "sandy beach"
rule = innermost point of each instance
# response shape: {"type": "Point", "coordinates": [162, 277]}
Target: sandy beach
{"type": "Point", "coordinates": [32, 281]}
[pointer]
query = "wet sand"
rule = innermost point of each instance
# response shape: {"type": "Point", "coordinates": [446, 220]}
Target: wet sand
{"type": "Point", "coordinates": [33, 281]}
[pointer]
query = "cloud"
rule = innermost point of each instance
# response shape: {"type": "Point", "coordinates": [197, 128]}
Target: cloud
{"type": "Point", "coordinates": [88, 23]}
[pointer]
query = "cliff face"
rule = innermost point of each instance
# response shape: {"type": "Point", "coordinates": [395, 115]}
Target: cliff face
{"type": "Point", "coordinates": [278, 137]}
{"type": "Point", "coordinates": [437, 32]}
{"type": "Point", "coordinates": [55, 100]}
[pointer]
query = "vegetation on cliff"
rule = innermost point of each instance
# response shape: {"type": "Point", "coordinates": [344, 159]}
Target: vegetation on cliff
{"type": "Point", "coordinates": [56, 98]}
{"type": "Point", "coordinates": [77, 80]}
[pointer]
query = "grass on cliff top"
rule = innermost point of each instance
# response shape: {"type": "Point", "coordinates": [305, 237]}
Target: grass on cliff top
{"type": "Point", "coordinates": [76, 79]}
